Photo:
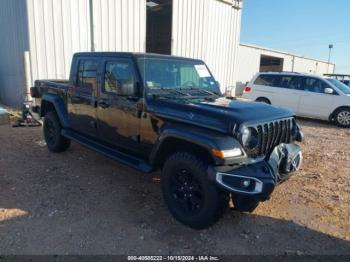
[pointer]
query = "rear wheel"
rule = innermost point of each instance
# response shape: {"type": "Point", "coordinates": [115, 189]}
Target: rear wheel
{"type": "Point", "coordinates": [263, 100]}
{"type": "Point", "coordinates": [342, 117]}
{"type": "Point", "coordinates": [190, 196]}
{"type": "Point", "coordinates": [52, 133]}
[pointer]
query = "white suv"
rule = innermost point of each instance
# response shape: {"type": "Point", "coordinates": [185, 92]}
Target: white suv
{"type": "Point", "coordinates": [305, 95]}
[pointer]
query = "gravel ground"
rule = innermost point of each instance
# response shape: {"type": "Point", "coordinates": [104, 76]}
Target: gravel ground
{"type": "Point", "coordinates": [80, 202]}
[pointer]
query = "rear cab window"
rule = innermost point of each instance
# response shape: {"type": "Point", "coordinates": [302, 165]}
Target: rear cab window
{"type": "Point", "coordinates": [87, 76]}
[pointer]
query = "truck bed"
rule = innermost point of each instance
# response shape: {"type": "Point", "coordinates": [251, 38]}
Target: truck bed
{"type": "Point", "coordinates": [58, 83]}
{"type": "Point", "coordinates": [56, 86]}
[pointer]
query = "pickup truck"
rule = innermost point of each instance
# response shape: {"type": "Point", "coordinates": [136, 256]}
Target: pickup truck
{"type": "Point", "coordinates": [156, 112]}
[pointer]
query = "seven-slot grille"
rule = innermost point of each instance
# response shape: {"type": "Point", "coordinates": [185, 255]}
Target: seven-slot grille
{"type": "Point", "coordinates": [271, 134]}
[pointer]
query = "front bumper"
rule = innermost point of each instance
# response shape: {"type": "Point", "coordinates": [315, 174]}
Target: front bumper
{"type": "Point", "coordinates": [258, 180]}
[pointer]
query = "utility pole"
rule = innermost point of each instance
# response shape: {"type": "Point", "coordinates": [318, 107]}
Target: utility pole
{"type": "Point", "coordinates": [329, 56]}
{"type": "Point", "coordinates": [92, 31]}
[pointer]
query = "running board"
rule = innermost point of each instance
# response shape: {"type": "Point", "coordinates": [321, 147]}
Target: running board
{"type": "Point", "coordinates": [112, 153]}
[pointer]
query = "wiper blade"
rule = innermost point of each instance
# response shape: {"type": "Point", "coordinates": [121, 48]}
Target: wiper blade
{"type": "Point", "coordinates": [190, 92]}
{"type": "Point", "coordinates": [175, 90]}
{"type": "Point", "coordinates": [197, 90]}
{"type": "Point", "coordinates": [165, 91]}
{"type": "Point", "coordinates": [208, 92]}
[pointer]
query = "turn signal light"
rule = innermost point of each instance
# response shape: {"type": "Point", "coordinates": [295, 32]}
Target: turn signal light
{"type": "Point", "coordinates": [235, 152]}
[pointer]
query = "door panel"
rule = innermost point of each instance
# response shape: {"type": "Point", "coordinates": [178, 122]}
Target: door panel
{"type": "Point", "coordinates": [314, 102]}
{"type": "Point", "coordinates": [82, 98]}
{"type": "Point", "coordinates": [281, 90]}
{"type": "Point", "coordinates": [287, 98]}
{"type": "Point", "coordinates": [117, 110]}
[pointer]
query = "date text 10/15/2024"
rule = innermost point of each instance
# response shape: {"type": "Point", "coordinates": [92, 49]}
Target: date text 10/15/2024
{"type": "Point", "coordinates": [173, 258]}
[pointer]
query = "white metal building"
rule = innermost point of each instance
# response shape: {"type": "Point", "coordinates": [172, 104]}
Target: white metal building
{"type": "Point", "coordinates": [52, 30]}
{"type": "Point", "coordinates": [253, 59]}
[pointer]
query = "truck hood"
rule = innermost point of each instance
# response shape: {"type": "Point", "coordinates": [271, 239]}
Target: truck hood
{"type": "Point", "coordinates": [219, 114]}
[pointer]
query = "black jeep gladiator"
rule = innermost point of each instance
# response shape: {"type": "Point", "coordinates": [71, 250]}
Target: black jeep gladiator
{"type": "Point", "coordinates": [154, 112]}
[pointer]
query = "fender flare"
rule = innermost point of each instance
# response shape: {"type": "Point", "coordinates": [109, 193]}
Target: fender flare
{"type": "Point", "coordinates": [60, 108]}
{"type": "Point", "coordinates": [207, 139]}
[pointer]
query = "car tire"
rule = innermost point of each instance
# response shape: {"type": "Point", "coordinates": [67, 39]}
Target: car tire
{"type": "Point", "coordinates": [52, 133]}
{"type": "Point", "coordinates": [244, 204]}
{"type": "Point", "coordinates": [263, 100]}
{"type": "Point", "coordinates": [342, 117]}
{"type": "Point", "coordinates": [191, 198]}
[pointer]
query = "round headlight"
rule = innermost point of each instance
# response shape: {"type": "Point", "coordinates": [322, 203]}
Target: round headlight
{"type": "Point", "coordinates": [250, 138]}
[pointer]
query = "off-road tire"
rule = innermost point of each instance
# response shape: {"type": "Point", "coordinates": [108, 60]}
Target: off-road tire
{"type": "Point", "coordinates": [244, 204]}
{"type": "Point", "coordinates": [343, 110]}
{"type": "Point", "coordinates": [213, 201]}
{"type": "Point", "coordinates": [52, 134]}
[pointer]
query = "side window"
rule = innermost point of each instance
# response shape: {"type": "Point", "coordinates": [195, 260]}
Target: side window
{"type": "Point", "coordinates": [285, 82]}
{"type": "Point", "coordinates": [314, 85]}
{"type": "Point", "coordinates": [296, 82]}
{"type": "Point", "coordinates": [87, 72]}
{"type": "Point", "coordinates": [120, 78]}
{"type": "Point", "coordinates": [265, 80]}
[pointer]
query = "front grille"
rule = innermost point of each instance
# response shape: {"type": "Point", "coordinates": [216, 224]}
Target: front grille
{"type": "Point", "coordinates": [271, 134]}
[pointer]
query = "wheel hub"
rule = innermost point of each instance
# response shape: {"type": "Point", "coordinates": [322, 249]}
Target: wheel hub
{"type": "Point", "coordinates": [344, 118]}
{"type": "Point", "coordinates": [187, 191]}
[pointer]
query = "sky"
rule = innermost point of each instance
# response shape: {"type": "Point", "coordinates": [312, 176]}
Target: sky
{"type": "Point", "coordinates": [303, 27]}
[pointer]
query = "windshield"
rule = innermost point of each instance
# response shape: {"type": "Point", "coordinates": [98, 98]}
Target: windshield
{"type": "Point", "coordinates": [341, 86]}
{"type": "Point", "coordinates": [176, 74]}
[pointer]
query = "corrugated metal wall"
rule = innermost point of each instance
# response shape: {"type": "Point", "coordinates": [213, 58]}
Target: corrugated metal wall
{"type": "Point", "coordinates": [14, 41]}
{"type": "Point", "coordinates": [52, 30]}
{"type": "Point", "coordinates": [209, 30]}
{"type": "Point", "coordinates": [248, 64]}
{"type": "Point", "coordinates": [119, 25]}
{"type": "Point", "coordinates": [57, 29]}
{"type": "Point", "coordinates": [312, 66]}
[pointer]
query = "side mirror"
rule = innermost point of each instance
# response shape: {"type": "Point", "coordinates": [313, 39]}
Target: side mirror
{"type": "Point", "coordinates": [328, 90]}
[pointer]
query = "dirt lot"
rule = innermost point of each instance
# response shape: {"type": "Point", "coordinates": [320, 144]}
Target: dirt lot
{"type": "Point", "coordinates": [80, 202]}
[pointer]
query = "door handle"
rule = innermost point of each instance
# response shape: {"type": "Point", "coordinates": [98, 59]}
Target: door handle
{"type": "Point", "coordinates": [103, 104]}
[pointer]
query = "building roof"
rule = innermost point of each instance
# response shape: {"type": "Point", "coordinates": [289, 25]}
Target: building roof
{"type": "Point", "coordinates": [283, 52]}
{"type": "Point", "coordinates": [133, 54]}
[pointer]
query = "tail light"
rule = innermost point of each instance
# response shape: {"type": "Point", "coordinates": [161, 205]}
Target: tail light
{"type": "Point", "coordinates": [247, 89]}
{"type": "Point", "coordinates": [34, 92]}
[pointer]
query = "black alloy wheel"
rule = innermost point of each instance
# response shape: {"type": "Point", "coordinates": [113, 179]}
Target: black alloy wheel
{"type": "Point", "coordinates": [52, 133]}
{"type": "Point", "coordinates": [187, 191]}
{"type": "Point", "coordinates": [191, 198]}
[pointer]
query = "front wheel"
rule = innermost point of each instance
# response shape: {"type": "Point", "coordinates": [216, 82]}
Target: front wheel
{"type": "Point", "coordinates": [190, 196]}
{"type": "Point", "coordinates": [342, 117]}
{"type": "Point", "coordinates": [52, 133]}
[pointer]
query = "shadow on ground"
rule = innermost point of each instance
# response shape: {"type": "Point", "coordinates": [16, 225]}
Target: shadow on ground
{"type": "Point", "coordinates": [79, 202]}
